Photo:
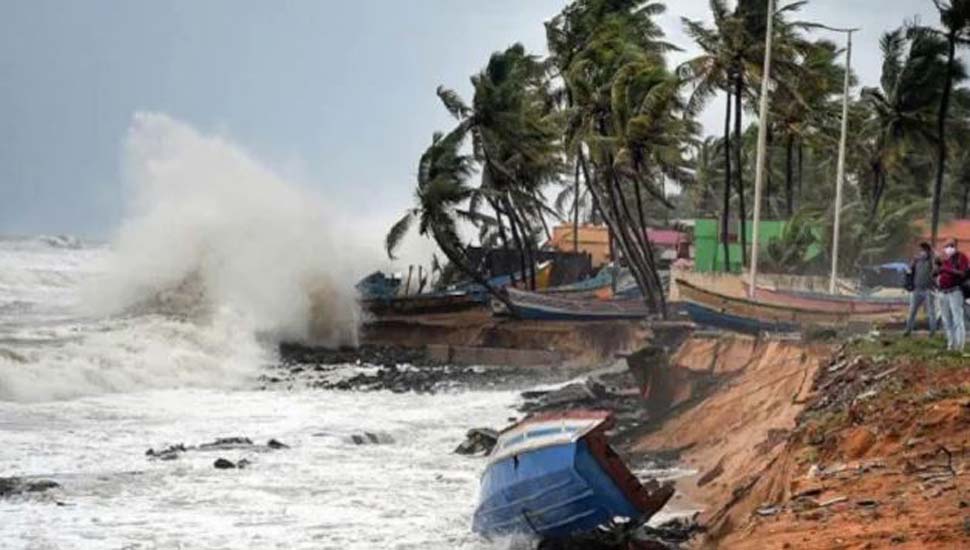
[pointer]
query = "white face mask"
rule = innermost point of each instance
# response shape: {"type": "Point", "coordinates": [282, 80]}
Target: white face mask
{"type": "Point", "coordinates": [950, 250]}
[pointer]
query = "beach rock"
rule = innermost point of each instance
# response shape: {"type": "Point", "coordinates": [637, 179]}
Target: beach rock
{"type": "Point", "coordinates": [169, 453]}
{"type": "Point", "coordinates": [371, 438]}
{"type": "Point", "coordinates": [223, 464]}
{"type": "Point", "coordinates": [276, 445]}
{"type": "Point", "coordinates": [11, 486]}
{"type": "Point", "coordinates": [227, 443]}
{"type": "Point", "coordinates": [478, 441]}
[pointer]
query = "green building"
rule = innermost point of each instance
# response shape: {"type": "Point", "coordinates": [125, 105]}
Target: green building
{"type": "Point", "coordinates": [709, 251]}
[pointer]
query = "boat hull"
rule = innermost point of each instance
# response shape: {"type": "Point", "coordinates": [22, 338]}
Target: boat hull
{"type": "Point", "coordinates": [831, 304]}
{"type": "Point", "coordinates": [743, 315]}
{"type": "Point", "coordinates": [542, 307]}
{"type": "Point", "coordinates": [423, 304]}
{"type": "Point", "coordinates": [551, 492]}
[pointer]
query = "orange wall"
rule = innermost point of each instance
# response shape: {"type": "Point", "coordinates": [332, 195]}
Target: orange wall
{"type": "Point", "coordinates": [593, 240]}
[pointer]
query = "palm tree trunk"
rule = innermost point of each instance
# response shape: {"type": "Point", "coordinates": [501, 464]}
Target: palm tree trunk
{"type": "Point", "coordinates": [530, 248]}
{"type": "Point", "coordinates": [576, 210]}
{"type": "Point", "coordinates": [517, 237]}
{"type": "Point", "coordinates": [651, 260]}
{"type": "Point", "coordinates": [966, 197]}
{"type": "Point", "coordinates": [941, 136]}
{"type": "Point", "coordinates": [766, 205]}
{"type": "Point", "coordinates": [726, 209]}
{"type": "Point", "coordinates": [542, 218]}
{"type": "Point", "coordinates": [636, 244]}
{"type": "Point", "coordinates": [456, 260]}
{"type": "Point", "coordinates": [615, 227]}
{"type": "Point", "coordinates": [801, 170]}
{"type": "Point", "coordinates": [789, 191]}
{"type": "Point", "coordinates": [739, 171]}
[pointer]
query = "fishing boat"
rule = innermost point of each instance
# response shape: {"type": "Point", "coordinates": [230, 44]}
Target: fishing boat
{"type": "Point", "coordinates": [551, 307]}
{"type": "Point", "coordinates": [602, 279]}
{"type": "Point", "coordinates": [554, 475]}
{"type": "Point", "coordinates": [744, 315]}
{"type": "Point", "coordinates": [828, 302]}
{"type": "Point", "coordinates": [437, 302]}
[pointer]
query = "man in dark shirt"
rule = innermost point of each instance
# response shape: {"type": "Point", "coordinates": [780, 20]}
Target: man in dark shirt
{"type": "Point", "coordinates": [922, 285]}
{"type": "Point", "coordinates": [953, 271]}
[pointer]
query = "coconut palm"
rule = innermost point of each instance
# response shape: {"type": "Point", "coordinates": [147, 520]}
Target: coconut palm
{"type": "Point", "coordinates": [442, 190]}
{"type": "Point", "coordinates": [955, 22]}
{"type": "Point", "coordinates": [515, 137]}
{"type": "Point", "coordinates": [901, 109]}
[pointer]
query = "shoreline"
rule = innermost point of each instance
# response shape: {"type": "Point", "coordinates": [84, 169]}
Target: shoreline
{"type": "Point", "coordinates": [739, 416]}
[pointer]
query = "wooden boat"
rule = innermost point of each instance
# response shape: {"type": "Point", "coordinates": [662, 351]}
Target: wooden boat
{"type": "Point", "coordinates": [753, 316]}
{"type": "Point", "coordinates": [439, 302]}
{"type": "Point", "coordinates": [550, 307]}
{"type": "Point", "coordinates": [827, 302]}
{"type": "Point", "coordinates": [602, 279]}
{"type": "Point", "coordinates": [554, 475]}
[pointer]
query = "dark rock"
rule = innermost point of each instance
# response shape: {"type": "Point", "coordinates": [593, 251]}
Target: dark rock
{"type": "Point", "coordinates": [371, 438]}
{"type": "Point", "coordinates": [224, 443]}
{"type": "Point", "coordinates": [10, 486]}
{"type": "Point", "coordinates": [274, 444]}
{"type": "Point", "coordinates": [223, 464]}
{"type": "Point", "coordinates": [478, 441]}
{"type": "Point", "coordinates": [170, 453]}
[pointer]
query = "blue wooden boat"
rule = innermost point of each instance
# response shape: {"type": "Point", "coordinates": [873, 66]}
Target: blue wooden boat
{"type": "Point", "coordinates": [602, 279]}
{"type": "Point", "coordinates": [550, 307]}
{"type": "Point", "coordinates": [377, 285]}
{"type": "Point", "coordinates": [554, 475]}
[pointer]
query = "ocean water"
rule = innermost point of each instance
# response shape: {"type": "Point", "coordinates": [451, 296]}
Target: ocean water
{"type": "Point", "coordinates": [83, 396]}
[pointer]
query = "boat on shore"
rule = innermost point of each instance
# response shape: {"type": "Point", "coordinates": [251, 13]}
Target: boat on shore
{"type": "Point", "coordinates": [833, 303]}
{"type": "Point", "coordinates": [712, 309]}
{"type": "Point", "coordinates": [550, 307]}
{"type": "Point", "coordinates": [419, 304]}
{"type": "Point", "coordinates": [554, 475]}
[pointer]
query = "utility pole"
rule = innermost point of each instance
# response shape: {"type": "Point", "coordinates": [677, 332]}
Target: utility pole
{"type": "Point", "coordinates": [759, 172]}
{"type": "Point", "coordinates": [840, 173]}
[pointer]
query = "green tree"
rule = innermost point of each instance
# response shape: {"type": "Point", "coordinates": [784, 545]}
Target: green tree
{"type": "Point", "coordinates": [442, 190]}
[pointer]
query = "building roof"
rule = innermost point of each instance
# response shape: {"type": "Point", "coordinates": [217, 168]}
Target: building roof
{"type": "Point", "coordinates": [667, 237]}
{"type": "Point", "coordinates": [953, 229]}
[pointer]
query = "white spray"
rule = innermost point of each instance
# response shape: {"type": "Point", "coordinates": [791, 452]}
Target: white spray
{"type": "Point", "coordinates": [215, 250]}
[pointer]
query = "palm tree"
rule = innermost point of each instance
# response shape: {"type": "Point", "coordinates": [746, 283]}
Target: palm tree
{"type": "Point", "coordinates": [801, 111]}
{"type": "Point", "coordinates": [955, 19]}
{"type": "Point", "coordinates": [709, 73]}
{"type": "Point", "coordinates": [515, 140]}
{"type": "Point", "coordinates": [901, 109]}
{"type": "Point", "coordinates": [442, 189]}
{"type": "Point", "coordinates": [609, 54]}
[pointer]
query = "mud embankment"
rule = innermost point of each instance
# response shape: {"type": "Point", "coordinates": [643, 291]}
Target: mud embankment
{"type": "Point", "coordinates": [800, 445]}
{"type": "Point", "coordinates": [730, 432]}
{"type": "Point", "coordinates": [570, 343]}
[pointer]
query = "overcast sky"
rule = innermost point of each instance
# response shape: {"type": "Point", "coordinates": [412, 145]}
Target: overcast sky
{"type": "Point", "coordinates": [337, 95]}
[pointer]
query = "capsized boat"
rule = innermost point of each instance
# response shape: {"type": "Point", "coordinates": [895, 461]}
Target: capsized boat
{"type": "Point", "coordinates": [553, 475]}
{"type": "Point", "coordinates": [551, 307]}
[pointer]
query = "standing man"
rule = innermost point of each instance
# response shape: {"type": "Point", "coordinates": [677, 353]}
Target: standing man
{"type": "Point", "coordinates": [953, 271]}
{"type": "Point", "coordinates": [920, 284]}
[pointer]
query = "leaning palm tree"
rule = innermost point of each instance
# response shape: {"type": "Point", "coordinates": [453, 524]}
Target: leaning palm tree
{"type": "Point", "coordinates": [442, 191]}
{"type": "Point", "coordinates": [955, 20]}
{"type": "Point", "coordinates": [901, 108]}
{"type": "Point", "coordinates": [515, 140]}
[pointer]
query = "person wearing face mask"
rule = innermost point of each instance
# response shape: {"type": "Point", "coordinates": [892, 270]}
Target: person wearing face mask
{"type": "Point", "coordinates": [953, 271]}
{"type": "Point", "coordinates": [920, 284]}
